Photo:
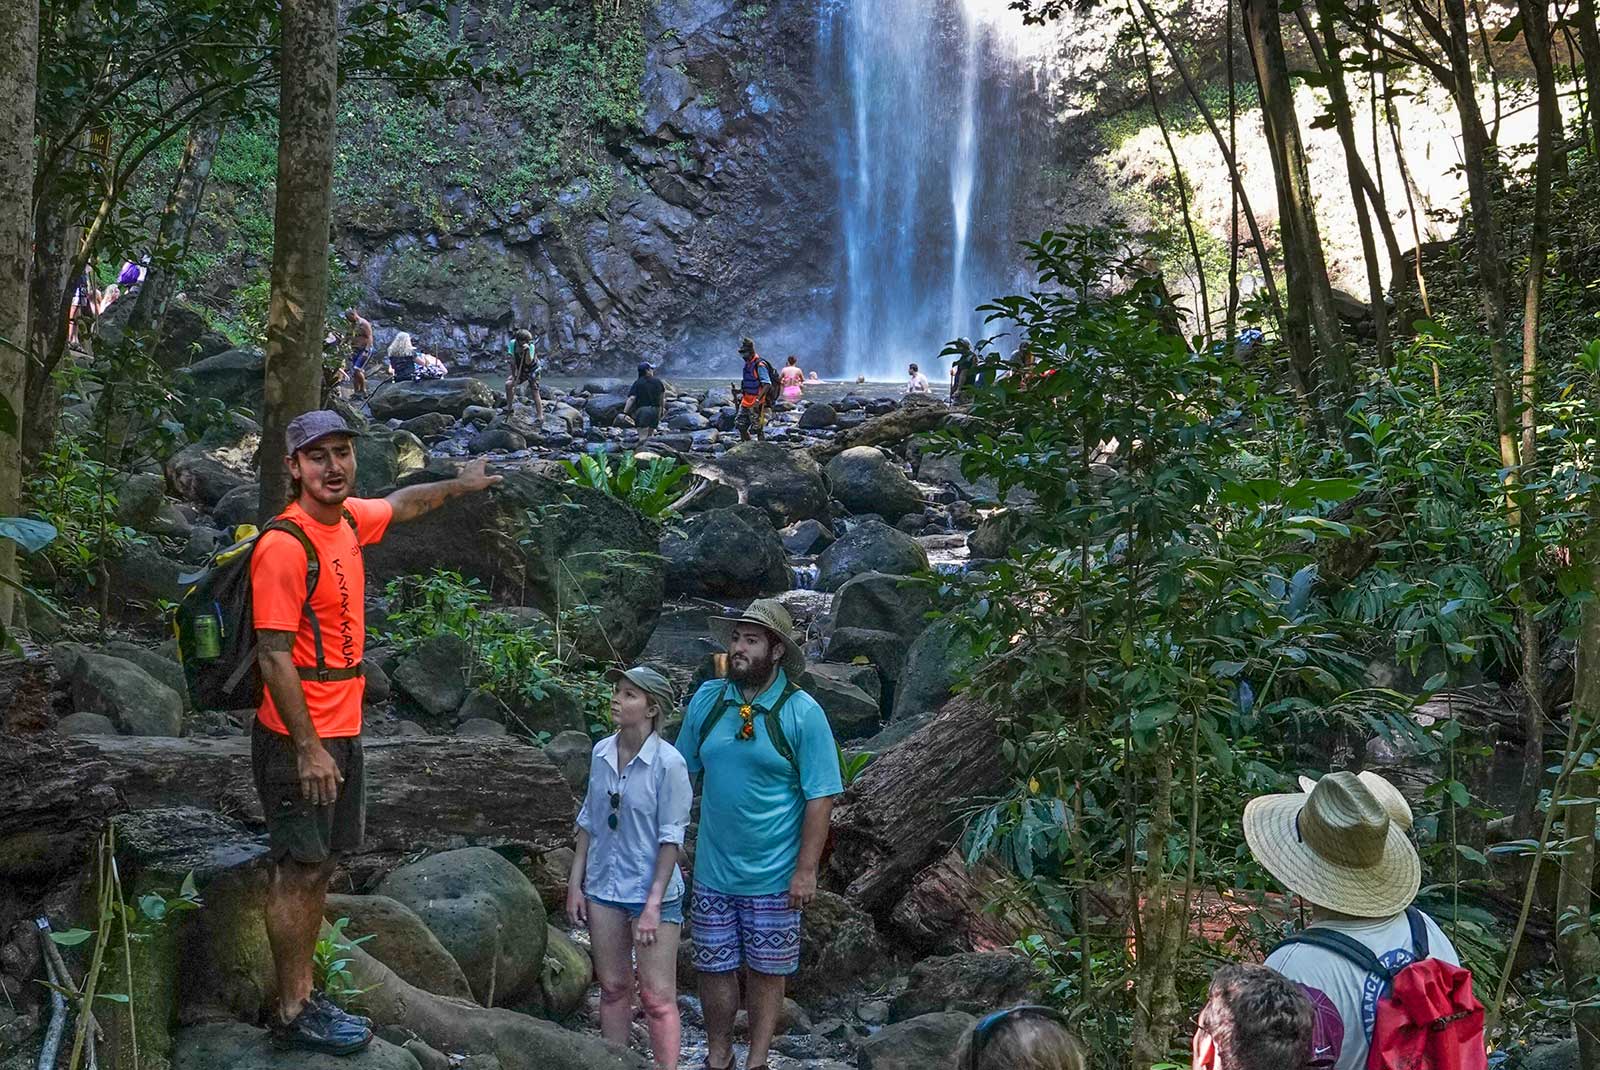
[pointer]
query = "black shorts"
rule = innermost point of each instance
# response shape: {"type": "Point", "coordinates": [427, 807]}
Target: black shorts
{"type": "Point", "coordinates": [295, 827]}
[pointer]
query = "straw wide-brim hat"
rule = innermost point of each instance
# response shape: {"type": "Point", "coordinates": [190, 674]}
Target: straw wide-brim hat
{"type": "Point", "coordinates": [769, 614]}
{"type": "Point", "coordinates": [1336, 847]}
{"type": "Point", "coordinates": [1386, 794]}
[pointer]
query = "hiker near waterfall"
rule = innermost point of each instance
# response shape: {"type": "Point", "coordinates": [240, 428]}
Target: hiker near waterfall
{"type": "Point", "coordinates": [755, 392]}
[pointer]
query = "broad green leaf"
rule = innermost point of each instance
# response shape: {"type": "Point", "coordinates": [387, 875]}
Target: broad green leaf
{"type": "Point", "coordinates": [30, 534]}
{"type": "Point", "coordinates": [72, 937]}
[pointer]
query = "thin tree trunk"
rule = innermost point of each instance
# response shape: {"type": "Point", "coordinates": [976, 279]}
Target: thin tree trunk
{"type": "Point", "coordinates": [177, 221]}
{"type": "Point", "coordinates": [297, 311]}
{"type": "Point", "coordinates": [50, 300]}
{"type": "Point", "coordinates": [1589, 39]}
{"type": "Point", "coordinates": [19, 61]}
{"type": "Point", "coordinates": [1304, 262]}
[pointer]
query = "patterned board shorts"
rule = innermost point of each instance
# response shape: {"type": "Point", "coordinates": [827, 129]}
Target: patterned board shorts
{"type": "Point", "coordinates": [758, 931]}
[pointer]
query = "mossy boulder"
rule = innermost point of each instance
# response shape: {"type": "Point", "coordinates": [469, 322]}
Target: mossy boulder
{"type": "Point", "coordinates": [478, 281]}
{"type": "Point", "coordinates": [399, 940]}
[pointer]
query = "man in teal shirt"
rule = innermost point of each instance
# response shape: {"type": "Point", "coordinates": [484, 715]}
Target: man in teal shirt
{"type": "Point", "coordinates": [771, 772]}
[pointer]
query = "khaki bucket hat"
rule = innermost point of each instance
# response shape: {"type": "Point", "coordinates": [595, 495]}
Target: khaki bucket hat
{"type": "Point", "coordinates": [1336, 847]}
{"type": "Point", "coordinates": [769, 614]}
{"type": "Point", "coordinates": [1386, 793]}
{"type": "Point", "coordinates": [650, 682]}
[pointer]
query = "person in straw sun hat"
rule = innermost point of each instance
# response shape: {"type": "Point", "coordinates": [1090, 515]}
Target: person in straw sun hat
{"type": "Point", "coordinates": [771, 771]}
{"type": "Point", "coordinates": [1342, 848]}
{"type": "Point", "coordinates": [1386, 793]}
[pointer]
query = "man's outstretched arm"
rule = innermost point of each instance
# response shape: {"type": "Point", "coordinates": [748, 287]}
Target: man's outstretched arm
{"type": "Point", "coordinates": [408, 503]}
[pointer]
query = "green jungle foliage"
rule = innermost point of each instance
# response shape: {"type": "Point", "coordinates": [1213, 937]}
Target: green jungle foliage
{"type": "Point", "coordinates": [650, 488]}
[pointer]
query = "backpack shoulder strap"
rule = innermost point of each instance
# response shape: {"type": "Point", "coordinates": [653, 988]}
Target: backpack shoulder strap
{"type": "Point", "coordinates": [1351, 950]}
{"type": "Point", "coordinates": [313, 571]}
{"type": "Point", "coordinates": [775, 732]}
{"type": "Point", "coordinates": [711, 719]}
{"type": "Point", "coordinates": [1419, 933]}
{"type": "Point", "coordinates": [350, 518]}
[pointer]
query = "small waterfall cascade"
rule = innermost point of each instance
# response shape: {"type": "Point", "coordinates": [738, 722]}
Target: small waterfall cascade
{"type": "Point", "coordinates": [927, 151]}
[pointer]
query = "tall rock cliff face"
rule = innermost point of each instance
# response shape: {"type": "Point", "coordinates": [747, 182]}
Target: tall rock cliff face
{"type": "Point", "coordinates": [708, 212]}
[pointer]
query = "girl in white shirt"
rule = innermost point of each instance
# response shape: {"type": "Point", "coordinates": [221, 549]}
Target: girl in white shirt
{"type": "Point", "coordinates": [625, 884]}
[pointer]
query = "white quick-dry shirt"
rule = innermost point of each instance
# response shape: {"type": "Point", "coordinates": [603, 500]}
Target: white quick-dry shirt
{"type": "Point", "coordinates": [1353, 992]}
{"type": "Point", "coordinates": [654, 809]}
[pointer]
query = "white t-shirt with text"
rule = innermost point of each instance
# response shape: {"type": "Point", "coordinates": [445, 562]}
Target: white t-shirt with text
{"type": "Point", "coordinates": [1353, 992]}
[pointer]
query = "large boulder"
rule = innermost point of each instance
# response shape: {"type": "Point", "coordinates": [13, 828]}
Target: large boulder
{"type": "Point", "coordinates": [196, 474]}
{"type": "Point", "coordinates": [883, 651]}
{"type": "Point", "coordinates": [870, 547]}
{"type": "Point", "coordinates": [818, 415]}
{"type": "Point", "coordinates": [434, 675]}
{"type": "Point", "coordinates": [142, 573]}
{"type": "Point", "coordinates": [238, 1046]}
{"type": "Point", "coordinates": [393, 934]}
{"type": "Point", "coordinates": [241, 505]}
{"type": "Point", "coordinates": [137, 702]}
{"type": "Point", "coordinates": [402, 401]}
{"type": "Point", "coordinates": [867, 480]}
{"type": "Point", "coordinates": [974, 982]}
{"type": "Point", "coordinates": [142, 505]}
{"type": "Point", "coordinates": [937, 661]}
{"type": "Point", "coordinates": [559, 544]}
{"type": "Point", "coordinates": [852, 711]}
{"type": "Point", "coordinates": [807, 537]}
{"type": "Point", "coordinates": [998, 533]}
{"type": "Point", "coordinates": [603, 409]}
{"type": "Point", "coordinates": [496, 439]}
{"type": "Point", "coordinates": [918, 1044]}
{"type": "Point", "coordinates": [485, 913]}
{"type": "Point", "coordinates": [839, 946]}
{"type": "Point", "coordinates": [429, 425]}
{"type": "Point", "coordinates": [162, 668]}
{"type": "Point", "coordinates": [384, 457]}
{"type": "Point", "coordinates": [235, 377]}
{"type": "Point", "coordinates": [725, 553]}
{"type": "Point", "coordinates": [564, 981]}
{"type": "Point", "coordinates": [882, 602]}
{"type": "Point", "coordinates": [787, 483]}
{"type": "Point", "coordinates": [571, 750]}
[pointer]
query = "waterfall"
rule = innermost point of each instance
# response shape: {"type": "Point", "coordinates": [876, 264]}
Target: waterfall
{"type": "Point", "coordinates": [926, 150]}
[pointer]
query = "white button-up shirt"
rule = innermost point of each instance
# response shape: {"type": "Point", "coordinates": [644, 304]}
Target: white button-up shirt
{"type": "Point", "coordinates": [654, 809]}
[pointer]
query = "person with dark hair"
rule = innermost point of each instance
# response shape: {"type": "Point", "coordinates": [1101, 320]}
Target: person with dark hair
{"type": "Point", "coordinates": [1021, 1038]}
{"type": "Point", "coordinates": [1255, 1019]}
{"type": "Point", "coordinates": [361, 342]}
{"type": "Point", "coordinates": [917, 383]}
{"type": "Point", "coordinates": [645, 398]}
{"type": "Point", "coordinates": [757, 389]}
{"type": "Point", "coordinates": [526, 367]}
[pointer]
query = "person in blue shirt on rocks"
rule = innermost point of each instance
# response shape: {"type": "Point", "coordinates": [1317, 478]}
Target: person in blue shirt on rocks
{"type": "Point", "coordinates": [625, 883]}
{"type": "Point", "coordinates": [771, 771]}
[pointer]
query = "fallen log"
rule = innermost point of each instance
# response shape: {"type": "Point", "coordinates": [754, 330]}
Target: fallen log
{"type": "Point", "coordinates": [951, 908]}
{"type": "Point", "coordinates": [57, 799]}
{"type": "Point", "coordinates": [915, 416]}
{"type": "Point", "coordinates": [905, 810]}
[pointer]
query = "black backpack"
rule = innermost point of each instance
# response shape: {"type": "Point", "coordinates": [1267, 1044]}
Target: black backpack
{"type": "Point", "coordinates": [223, 675]}
{"type": "Point", "coordinates": [769, 392]}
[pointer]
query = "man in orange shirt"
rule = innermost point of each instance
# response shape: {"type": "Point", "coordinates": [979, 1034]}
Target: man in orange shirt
{"type": "Point", "coordinates": [306, 741]}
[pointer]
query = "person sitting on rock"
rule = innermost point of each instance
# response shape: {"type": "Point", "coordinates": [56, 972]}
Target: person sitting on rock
{"type": "Point", "coordinates": [793, 380]}
{"type": "Point", "coordinates": [754, 392]}
{"type": "Point", "coordinates": [430, 367]}
{"type": "Point", "coordinates": [526, 367]}
{"type": "Point", "coordinates": [771, 772]}
{"type": "Point", "coordinates": [1021, 1038]}
{"type": "Point", "coordinates": [625, 884]}
{"type": "Point", "coordinates": [645, 397]}
{"type": "Point", "coordinates": [1254, 1019]}
{"type": "Point", "coordinates": [918, 383]}
{"type": "Point", "coordinates": [361, 343]}
{"type": "Point", "coordinates": [305, 744]}
{"type": "Point", "coordinates": [402, 358]}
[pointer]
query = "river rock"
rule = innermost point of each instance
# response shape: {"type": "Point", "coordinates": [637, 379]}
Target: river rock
{"type": "Point", "coordinates": [451, 395]}
{"type": "Point", "coordinates": [818, 415]}
{"type": "Point", "coordinates": [195, 474]}
{"type": "Point", "coordinates": [867, 480]}
{"type": "Point", "coordinates": [853, 712]}
{"type": "Point", "coordinates": [938, 660]}
{"type": "Point", "coordinates": [241, 505]}
{"type": "Point", "coordinates": [480, 726]}
{"type": "Point", "coordinates": [565, 979]}
{"type": "Point", "coordinates": [142, 505]}
{"type": "Point", "coordinates": [881, 650]}
{"type": "Point", "coordinates": [86, 724]}
{"type": "Point", "coordinates": [400, 941]}
{"type": "Point", "coordinates": [483, 705]}
{"type": "Point", "coordinates": [1562, 1055]}
{"type": "Point", "coordinates": [484, 912]}
{"type": "Point", "coordinates": [839, 947]}
{"type": "Point", "coordinates": [870, 547]}
{"type": "Point", "coordinates": [559, 544]}
{"type": "Point", "coordinates": [140, 572]}
{"type": "Point", "coordinates": [482, 415]}
{"type": "Point", "coordinates": [974, 982]}
{"type": "Point", "coordinates": [687, 421]}
{"type": "Point", "coordinates": [788, 484]}
{"type": "Point", "coordinates": [807, 537]}
{"type": "Point", "coordinates": [234, 377]}
{"type": "Point", "coordinates": [882, 602]}
{"type": "Point", "coordinates": [137, 702]}
{"type": "Point", "coordinates": [603, 409]}
{"type": "Point", "coordinates": [238, 1046]}
{"type": "Point", "coordinates": [571, 751]}
{"type": "Point", "coordinates": [378, 684]}
{"type": "Point", "coordinates": [496, 438]}
{"type": "Point", "coordinates": [164, 669]}
{"type": "Point", "coordinates": [997, 534]}
{"type": "Point", "coordinates": [917, 1044]}
{"type": "Point", "coordinates": [725, 553]}
{"type": "Point", "coordinates": [434, 675]}
{"type": "Point", "coordinates": [429, 425]}
{"type": "Point", "coordinates": [385, 457]}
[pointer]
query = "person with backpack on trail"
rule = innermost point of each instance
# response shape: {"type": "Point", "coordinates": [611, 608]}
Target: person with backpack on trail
{"type": "Point", "coordinates": [771, 772]}
{"type": "Point", "coordinates": [526, 368]}
{"type": "Point", "coordinates": [1254, 1019]}
{"type": "Point", "coordinates": [756, 392]}
{"type": "Point", "coordinates": [1387, 968]}
{"type": "Point", "coordinates": [625, 884]}
{"type": "Point", "coordinates": [305, 745]}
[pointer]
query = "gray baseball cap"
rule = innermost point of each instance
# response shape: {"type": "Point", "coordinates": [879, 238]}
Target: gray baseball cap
{"type": "Point", "coordinates": [650, 682]}
{"type": "Point", "coordinates": [308, 427]}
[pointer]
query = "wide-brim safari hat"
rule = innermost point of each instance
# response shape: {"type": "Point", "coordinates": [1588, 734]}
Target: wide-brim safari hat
{"type": "Point", "coordinates": [1336, 847]}
{"type": "Point", "coordinates": [769, 614]}
{"type": "Point", "coordinates": [651, 683]}
{"type": "Point", "coordinates": [1386, 794]}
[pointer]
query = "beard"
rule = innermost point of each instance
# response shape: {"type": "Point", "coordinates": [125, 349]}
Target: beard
{"type": "Point", "coordinates": [742, 670]}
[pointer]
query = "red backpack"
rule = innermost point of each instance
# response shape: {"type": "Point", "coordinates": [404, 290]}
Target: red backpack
{"type": "Point", "coordinates": [1428, 1019]}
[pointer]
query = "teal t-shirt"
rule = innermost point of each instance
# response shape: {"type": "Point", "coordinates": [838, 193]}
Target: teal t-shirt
{"type": "Point", "coordinates": [752, 805]}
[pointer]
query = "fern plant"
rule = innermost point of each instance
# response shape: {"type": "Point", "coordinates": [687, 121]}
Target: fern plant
{"type": "Point", "coordinates": [650, 488]}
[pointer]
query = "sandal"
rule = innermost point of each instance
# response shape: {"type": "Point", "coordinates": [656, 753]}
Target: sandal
{"type": "Point", "coordinates": [732, 1060]}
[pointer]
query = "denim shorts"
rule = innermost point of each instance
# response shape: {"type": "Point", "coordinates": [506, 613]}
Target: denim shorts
{"type": "Point", "coordinates": [671, 910]}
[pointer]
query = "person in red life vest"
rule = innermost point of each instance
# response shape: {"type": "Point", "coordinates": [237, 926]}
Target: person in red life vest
{"type": "Point", "coordinates": [755, 392]}
{"type": "Point", "coordinates": [305, 745]}
{"type": "Point", "coordinates": [1386, 967]}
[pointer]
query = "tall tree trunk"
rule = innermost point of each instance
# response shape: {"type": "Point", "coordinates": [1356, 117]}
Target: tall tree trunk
{"type": "Point", "coordinates": [1303, 259]}
{"type": "Point", "coordinates": [55, 239]}
{"type": "Point", "coordinates": [19, 61]}
{"type": "Point", "coordinates": [1589, 39]}
{"type": "Point", "coordinates": [177, 220]}
{"type": "Point", "coordinates": [296, 314]}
